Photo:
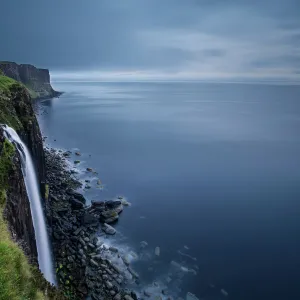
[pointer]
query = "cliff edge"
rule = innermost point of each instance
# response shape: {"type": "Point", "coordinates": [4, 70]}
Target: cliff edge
{"type": "Point", "coordinates": [37, 81]}
{"type": "Point", "coordinates": [19, 275]}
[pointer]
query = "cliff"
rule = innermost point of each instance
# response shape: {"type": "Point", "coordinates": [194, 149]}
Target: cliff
{"type": "Point", "coordinates": [37, 81]}
{"type": "Point", "coordinates": [15, 214]}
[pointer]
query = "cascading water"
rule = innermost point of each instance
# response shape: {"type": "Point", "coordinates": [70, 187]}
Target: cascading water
{"type": "Point", "coordinates": [33, 192]}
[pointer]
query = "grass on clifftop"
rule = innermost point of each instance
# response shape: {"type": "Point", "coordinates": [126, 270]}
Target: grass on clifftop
{"type": "Point", "coordinates": [16, 279]}
{"type": "Point", "coordinates": [7, 82]}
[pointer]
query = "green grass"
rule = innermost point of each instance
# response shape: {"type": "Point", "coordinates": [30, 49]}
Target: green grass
{"type": "Point", "coordinates": [7, 153]}
{"type": "Point", "coordinates": [5, 84]}
{"type": "Point", "coordinates": [16, 279]}
{"type": "Point", "coordinates": [7, 111]}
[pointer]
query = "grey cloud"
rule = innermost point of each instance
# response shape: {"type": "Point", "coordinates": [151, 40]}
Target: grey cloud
{"type": "Point", "coordinates": [192, 36]}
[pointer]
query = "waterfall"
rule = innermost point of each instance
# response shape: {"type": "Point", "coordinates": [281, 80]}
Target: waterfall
{"type": "Point", "coordinates": [33, 192]}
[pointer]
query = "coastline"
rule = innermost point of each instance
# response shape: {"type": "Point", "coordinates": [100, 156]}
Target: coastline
{"type": "Point", "coordinates": [80, 254]}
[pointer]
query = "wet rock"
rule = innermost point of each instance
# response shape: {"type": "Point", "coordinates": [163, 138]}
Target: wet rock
{"type": "Point", "coordinates": [111, 204]}
{"type": "Point", "coordinates": [95, 264]}
{"type": "Point", "coordinates": [78, 230]}
{"type": "Point", "coordinates": [75, 204]}
{"type": "Point", "coordinates": [77, 153]}
{"type": "Point", "coordinates": [147, 294]}
{"type": "Point", "coordinates": [165, 292]}
{"type": "Point", "coordinates": [118, 297]}
{"type": "Point", "coordinates": [89, 219]}
{"type": "Point", "coordinates": [76, 162]}
{"type": "Point", "coordinates": [111, 219]}
{"type": "Point", "coordinates": [91, 245]}
{"type": "Point", "coordinates": [113, 249]}
{"type": "Point", "coordinates": [133, 273]}
{"type": "Point", "coordinates": [143, 244]}
{"type": "Point", "coordinates": [224, 293]}
{"type": "Point", "coordinates": [127, 297]}
{"type": "Point", "coordinates": [76, 195]}
{"type": "Point", "coordinates": [109, 285]}
{"type": "Point", "coordinates": [108, 229]}
{"type": "Point", "coordinates": [89, 169]}
{"type": "Point", "coordinates": [157, 251]}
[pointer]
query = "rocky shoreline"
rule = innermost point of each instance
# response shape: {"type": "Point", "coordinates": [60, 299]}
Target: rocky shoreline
{"type": "Point", "coordinates": [82, 267]}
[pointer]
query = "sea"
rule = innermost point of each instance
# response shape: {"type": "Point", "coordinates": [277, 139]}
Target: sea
{"type": "Point", "coordinates": [211, 172]}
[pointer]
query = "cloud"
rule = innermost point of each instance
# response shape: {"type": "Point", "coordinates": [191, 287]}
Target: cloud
{"type": "Point", "coordinates": [156, 39]}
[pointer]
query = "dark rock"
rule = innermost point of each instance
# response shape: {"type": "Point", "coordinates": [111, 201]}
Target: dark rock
{"type": "Point", "coordinates": [97, 203]}
{"type": "Point", "coordinates": [76, 204]}
{"type": "Point", "coordinates": [89, 219]}
{"type": "Point", "coordinates": [111, 204]}
{"type": "Point", "coordinates": [76, 195]}
{"type": "Point", "coordinates": [94, 263]}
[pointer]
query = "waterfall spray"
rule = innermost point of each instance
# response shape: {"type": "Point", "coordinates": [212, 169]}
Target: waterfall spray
{"type": "Point", "coordinates": [33, 192]}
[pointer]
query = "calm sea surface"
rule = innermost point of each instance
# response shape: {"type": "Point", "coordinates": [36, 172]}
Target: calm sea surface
{"type": "Point", "coordinates": [212, 172]}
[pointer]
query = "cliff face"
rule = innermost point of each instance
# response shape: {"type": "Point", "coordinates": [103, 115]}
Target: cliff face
{"type": "Point", "coordinates": [17, 107]}
{"type": "Point", "coordinates": [36, 80]}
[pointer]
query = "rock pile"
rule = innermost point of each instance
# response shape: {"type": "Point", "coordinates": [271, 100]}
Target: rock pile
{"type": "Point", "coordinates": [81, 268]}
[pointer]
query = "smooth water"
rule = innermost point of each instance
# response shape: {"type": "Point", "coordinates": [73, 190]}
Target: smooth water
{"type": "Point", "coordinates": [210, 167]}
{"type": "Point", "coordinates": [34, 195]}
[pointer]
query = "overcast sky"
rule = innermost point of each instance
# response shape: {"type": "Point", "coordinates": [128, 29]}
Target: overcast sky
{"type": "Point", "coordinates": [206, 39]}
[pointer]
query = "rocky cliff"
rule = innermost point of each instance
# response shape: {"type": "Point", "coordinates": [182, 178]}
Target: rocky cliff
{"type": "Point", "coordinates": [16, 106]}
{"type": "Point", "coordinates": [16, 111]}
{"type": "Point", "coordinates": [36, 80]}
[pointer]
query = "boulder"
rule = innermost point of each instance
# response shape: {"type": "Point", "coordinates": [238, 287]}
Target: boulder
{"type": "Point", "coordinates": [111, 204]}
{"type": "Point", "coordinates": [96, 203]}
{"type": "Point", "coordinates": [108, 229]}
{"type": "Point", "coordinates": [89, 219]}
{"type": "Point", "coordinates": [75, 204]}
{"type": "Point", "coordinates": [76, 195]}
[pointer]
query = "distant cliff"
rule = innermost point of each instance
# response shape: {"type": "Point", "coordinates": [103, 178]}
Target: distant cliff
{"type": "Point", "coordinates": [37, 81]}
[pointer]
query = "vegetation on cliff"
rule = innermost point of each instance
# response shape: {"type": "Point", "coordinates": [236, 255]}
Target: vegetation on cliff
{"type": "Point", "coordinates": [16, 277]}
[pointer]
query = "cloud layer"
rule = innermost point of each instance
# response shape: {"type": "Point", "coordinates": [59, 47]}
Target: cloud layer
{"type": "Point", "coordinates": [170, 39]}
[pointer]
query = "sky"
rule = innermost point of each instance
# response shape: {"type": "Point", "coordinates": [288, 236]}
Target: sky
{"type": "Point", "coordinates": [155, 39]}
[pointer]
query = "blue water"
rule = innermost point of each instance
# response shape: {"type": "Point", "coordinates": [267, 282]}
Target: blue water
{"type": "Point", "coordinates": [215, 167]}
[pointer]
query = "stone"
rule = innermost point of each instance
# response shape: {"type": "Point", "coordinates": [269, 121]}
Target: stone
{"type": "Point", "coordinates": [88, 219]}
{"type": "Point", "coordinates": [111, 219]}
{"type": "Point", "coordinates": [147, 294]}
{"type": "Point", "coordinates": [143, 244]}
{"type": "Point", "coordinates": [113, 249]}
{"type": "Point", "coordinates": [75, 204]}
{"type": "Point", "coordinates": [165, 292]}
{"type": "Point", "coordinates": [89, 169]}
{"type": "Point", "coordinates": [82, 241]}
{"type": "Point", "coordinates": [109, 229]}
{"type": "Point", "coordinates": [77, 231]}
{"type": "Point", "coordinates": [76, 162]}
{"type": "Point", "coordinates": [91, 245]}
{"type": "Point", "coordinates": [95, 264]}
{"type": "Point", "coordinates": [109, 285]}
{"type": "Point", "coordinates": [111, 204]}
{"type": "Point", "coordinates": [224, 293]}
{"type": "Point", "coordinates": [157, 251]}
{"type": "Point", "coordinates": [117, 297]}
{"type": "Point", "coordinates": [133, 273]}
{"type": "Point", "coordinates": [77, 153]}
{"type": "Point", "coordinates": [76, 195]}
{"type": "Point", "coordinates": [112, 292]}
{"type": "Point", "coordinates": [127, 297]}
